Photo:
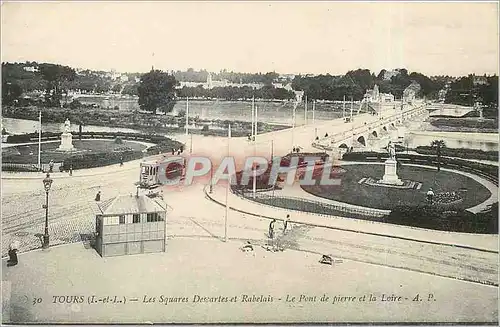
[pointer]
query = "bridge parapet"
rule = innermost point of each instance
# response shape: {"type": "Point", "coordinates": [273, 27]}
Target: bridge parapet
{"type": "Point", "coordinates": [351, 134]}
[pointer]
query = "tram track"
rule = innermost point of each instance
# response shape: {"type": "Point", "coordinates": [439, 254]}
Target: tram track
{"type": "Point", "coordinates": [464, 264]}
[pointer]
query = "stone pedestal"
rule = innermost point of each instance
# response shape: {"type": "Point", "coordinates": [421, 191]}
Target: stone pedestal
{"type": "Point", "coordinates": [391, 176]}
{"type": "Point", "coordinates": [66, 142]}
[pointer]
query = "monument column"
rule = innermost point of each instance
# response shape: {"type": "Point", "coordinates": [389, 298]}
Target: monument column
{"type": "Point", "coordinates": [66, 138]}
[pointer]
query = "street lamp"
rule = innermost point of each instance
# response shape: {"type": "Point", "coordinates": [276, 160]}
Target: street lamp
{"type": "Point", "coordinates": [47, 182]}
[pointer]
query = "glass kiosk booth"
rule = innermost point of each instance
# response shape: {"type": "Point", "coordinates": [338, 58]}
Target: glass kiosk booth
{"type": "Point", "coordinates": [131, 224]}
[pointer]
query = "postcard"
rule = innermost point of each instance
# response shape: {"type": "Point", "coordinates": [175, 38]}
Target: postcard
{"type": "Point", "coordinates": [249, 162]}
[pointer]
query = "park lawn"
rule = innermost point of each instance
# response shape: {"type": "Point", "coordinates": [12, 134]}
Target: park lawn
{"type": "Point", "coordinates": [350, 191]}
{"type": "Point", "coordinates": [28, 154]}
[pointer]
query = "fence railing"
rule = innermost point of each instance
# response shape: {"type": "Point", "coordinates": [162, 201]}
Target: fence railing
{"type": "Point", "coordinates": [19, 167]}
{"type": "Point", "coordinates": [296, 203]}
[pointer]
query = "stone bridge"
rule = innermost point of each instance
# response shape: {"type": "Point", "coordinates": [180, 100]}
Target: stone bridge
{"type": "Point", "coordinates": [363, 134]}
{"type": "Point", "coordinates": [445, 109]}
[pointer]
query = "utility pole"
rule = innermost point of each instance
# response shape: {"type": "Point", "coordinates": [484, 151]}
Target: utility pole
{"type": "Point", "coordinates": [187, 121]}
{"type": "Point", "coordinates": [253, 119]}
{"type": "Point", "coordinates": [305, 112]}
{"type": "Point", "coordinates": [255, 124]}
{"type": "Point", "coordinates": [228, 184]}
{"type": "Point", "coordinates": [293, 124]}
{"type": "Point", "coordinates": [343, 108]}
{"type": "Point", "coordinates": [314, 108]}
{"type": "Point", "coordinates": [254, 181]}
{"type": "Point", "coordinates": [39, 140]}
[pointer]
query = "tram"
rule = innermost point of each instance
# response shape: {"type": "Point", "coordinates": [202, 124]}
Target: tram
{"type": "Point", "coordinates": [150, 178]}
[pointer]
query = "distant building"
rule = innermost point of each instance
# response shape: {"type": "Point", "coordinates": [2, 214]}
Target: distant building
{"type": "Point", "coordinates": [30, 69]}
{"type": "Point", "coordinates": [209, 81]}
{"type": "Point", "coordinates": [130, 225]}
{"type": "Point", "coordinates": [389, 74]}
{"type": "Point", "coordinates": [410, 93]}
{"type": "Point", "coordinates": [480, 80]}
{"type": "Point", "coordinates": [375, 96]}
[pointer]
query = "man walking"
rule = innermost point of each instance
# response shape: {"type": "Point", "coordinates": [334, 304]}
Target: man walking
{"type": "Point", "coordinates": [285, 223]}
{"type": "Point", "coordinates": [13, 248]}
{"type": "Point", "coordinates": [271, 229]}
{"type": "Point", "coordinates": [98, 196]}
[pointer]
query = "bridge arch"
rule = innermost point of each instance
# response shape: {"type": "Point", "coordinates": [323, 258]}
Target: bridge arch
{"type": "Point", "coordinates": [344, 146]}
{"type": "Point", "coordinates": [374, 133]}
{"type": "Point", "coordinates": [384, 128]}
{"type": "Point", "coordinates": [362, 140]}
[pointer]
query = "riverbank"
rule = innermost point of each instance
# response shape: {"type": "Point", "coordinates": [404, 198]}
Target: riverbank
{"type": "Point", "coordinates": [146, 123]}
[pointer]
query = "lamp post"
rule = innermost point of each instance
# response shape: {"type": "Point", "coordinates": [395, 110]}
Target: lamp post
{"type": "Point", "coordinates": [47, 182]}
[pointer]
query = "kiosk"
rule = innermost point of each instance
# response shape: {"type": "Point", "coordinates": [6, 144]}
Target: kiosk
{"type": "Point", "coordinates": [131, 224]}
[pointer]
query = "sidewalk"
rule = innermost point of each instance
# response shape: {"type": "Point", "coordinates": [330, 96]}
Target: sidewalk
{"type": "Point", "coordinates": [480, 242]}
{"type": "Point", "coordinates": [73, 284]}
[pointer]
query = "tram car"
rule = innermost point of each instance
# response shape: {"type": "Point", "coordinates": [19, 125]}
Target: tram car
{"type": "Point", "coordinates": [149, 177]}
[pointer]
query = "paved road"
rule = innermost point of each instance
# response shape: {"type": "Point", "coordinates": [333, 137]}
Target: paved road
{"type": "Point", "coordinates": [71, 214]}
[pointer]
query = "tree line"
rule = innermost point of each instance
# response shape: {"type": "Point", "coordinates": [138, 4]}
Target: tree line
{"type": "Point", "coordinates": [158, 88]}
{"type": "Point", "coordinates": [355, 83]}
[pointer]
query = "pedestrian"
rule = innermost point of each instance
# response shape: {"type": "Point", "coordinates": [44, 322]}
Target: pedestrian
{"type": "Point", "coordinates": [285, 223]}
{"type": "Point", "coordinates": [71, 170]}
{"type": "Point", "coordinates": [173, 151]}
{"type": "Point", "coordinates": [121, 161]}
{"type": "Point", "coordinates": [13, 248]}
{"type": "Point", "coordinates": [98, 196]}
{"type": "Point", "coordinates": [182, 148]}
{"type": "Point", "coordinates": [271, 229]}
{"type": "Point", "coordinates": [326, 134]}
{"type": "Point", "coordinates": [430, 195]}
{"type": "Point", "coordinates": [51, 166]}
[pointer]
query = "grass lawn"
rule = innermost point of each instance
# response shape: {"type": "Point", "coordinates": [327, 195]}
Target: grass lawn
{"type": "Point", "coordinates": [309, 206]}
{"type": "Point", "coordinates": [28, 154]}
{"type": "Point", "coordinates": [350, 191]}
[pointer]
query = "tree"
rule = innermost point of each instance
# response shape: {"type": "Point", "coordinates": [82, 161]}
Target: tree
{"type": "Point", "coordinates": [157, 91]}
{"type": "Point", "coordinates": [11, 92]}
{"type": "Point", "coordinates": [438, 144]}
{"type": "Point", "coordinates": [57, 79]}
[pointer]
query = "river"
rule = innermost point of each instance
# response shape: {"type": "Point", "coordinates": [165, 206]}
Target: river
{"type": "Point", "coordinates": [23, 126]}
{"type": "Point", "coordinates": [269, 112]}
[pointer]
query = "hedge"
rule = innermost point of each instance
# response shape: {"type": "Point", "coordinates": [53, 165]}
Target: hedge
{"type": "Point", "coordinates": [434, 217]}
{"type": "Point", "coordinates": [19, 167]}
{"type": "Point", "coordinates": [33, 137]}
{"type": "Point", "coordinates": [92, 160]}
{"type": "Point", "coordinates": [469, 166]}
{"type": "Point", "coordinates": [460, 153]}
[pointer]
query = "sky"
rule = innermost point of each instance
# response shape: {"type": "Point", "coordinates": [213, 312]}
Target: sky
{"type": "Point", "coordinates": [287, 37]}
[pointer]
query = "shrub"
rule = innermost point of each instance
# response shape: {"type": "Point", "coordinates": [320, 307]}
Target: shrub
{"type": "Point", "coordinates": [118, 140]}
{"type": "Point", "coordinates": [91, 160]}
{"type": "Point", "coordinates": [460, 153]}
{"type": "Point", "coordinates": [485, 170]}
{"type": "Point", "coordinates": [19, 167]}
{"type": "Point", "coordinates": [439, 218]}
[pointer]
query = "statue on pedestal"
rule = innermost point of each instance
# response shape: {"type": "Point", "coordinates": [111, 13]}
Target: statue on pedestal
{"type": "Point", "coordinates": [392, 151]}
{"type": "Point", "coordinates": [391, 176]}
{"type": "Point", "coordinates": [66, 138]}
{"type": "Point", "coordinates": [67, 126]}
